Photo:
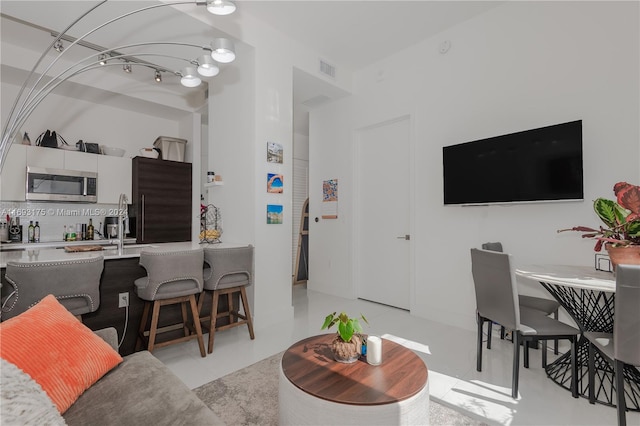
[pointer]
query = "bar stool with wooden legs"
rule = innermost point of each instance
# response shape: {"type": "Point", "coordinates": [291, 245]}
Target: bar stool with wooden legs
{"type": "Point", "coordinates": [228, 271]}
{"type": "Point", "coordinates": [172, 278]}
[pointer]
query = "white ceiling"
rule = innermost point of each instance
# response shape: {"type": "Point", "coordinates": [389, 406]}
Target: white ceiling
{"type": "Point", "coordinates": [355, 34]}
{"type": "Point", "coordinates": [358, 33]}
{"type": "Point", "coordinates": [350, 34]}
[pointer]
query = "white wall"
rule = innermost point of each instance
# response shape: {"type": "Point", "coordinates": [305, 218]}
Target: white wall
{"type": "Point", "coordinates": [253, 105]}
{"type": "Point", "coordinates": [519, 66]}
{"type": "Point", "coordinates": [76, 119]}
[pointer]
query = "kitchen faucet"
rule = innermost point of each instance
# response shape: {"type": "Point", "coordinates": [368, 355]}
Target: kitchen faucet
{"type": "Point", "coordinates": [123, 217]}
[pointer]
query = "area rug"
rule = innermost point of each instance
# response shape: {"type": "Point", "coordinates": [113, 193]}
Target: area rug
{"type": "Point", "coordinates": [250, 397]}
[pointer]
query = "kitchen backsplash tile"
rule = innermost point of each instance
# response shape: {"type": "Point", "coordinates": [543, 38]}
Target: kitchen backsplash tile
{"type": "Point", "coordinates": [53, 217]}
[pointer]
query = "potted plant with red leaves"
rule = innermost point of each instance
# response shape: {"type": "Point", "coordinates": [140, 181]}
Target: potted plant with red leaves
{"type": "Point", "coordinates": [620, 234]}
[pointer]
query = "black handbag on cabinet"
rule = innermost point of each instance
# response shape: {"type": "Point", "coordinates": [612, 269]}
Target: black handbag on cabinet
{"type": "Point", "coordinates": [49, 139]}
{"type": "Point", "coordinates": [92, 148]}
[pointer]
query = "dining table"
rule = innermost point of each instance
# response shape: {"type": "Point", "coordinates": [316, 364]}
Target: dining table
{"type": "Point", "coordinates": [588, 296]}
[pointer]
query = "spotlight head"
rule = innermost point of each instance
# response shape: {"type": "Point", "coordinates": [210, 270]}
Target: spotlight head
{"type": "Point", "coordinates": [58, 46]}
{"type": "Point", "coordinates": [207, 66]}
{"type": "Point", "coordinates": [221, 7]}
{"type": "Point", "coordinates": [103, 59]}
{"type": "Point", "coordinates": [189, 77]}
{"type": "Point", "coordinates": [223, 50]}
{"type": "Point", "coordinates": [158, 77]}
{"type": "Point", "coordinates": [126, 68]}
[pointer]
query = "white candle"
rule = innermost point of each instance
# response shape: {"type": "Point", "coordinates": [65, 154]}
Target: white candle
{"type": "Point", "coordinates": [374, 350]}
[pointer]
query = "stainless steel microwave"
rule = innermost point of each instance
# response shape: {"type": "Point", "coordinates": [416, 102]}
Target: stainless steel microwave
{"type": "Point", "coordinates": [61, 185]}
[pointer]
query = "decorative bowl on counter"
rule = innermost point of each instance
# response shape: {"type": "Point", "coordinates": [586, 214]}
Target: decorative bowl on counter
{"type": "Point", "coordinates": [149, 153]}
{"type": "Point", "coordinates": [116, 152]}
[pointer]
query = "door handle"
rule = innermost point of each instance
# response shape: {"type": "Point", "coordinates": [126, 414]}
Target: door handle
{"type": "Point", "coordinates": [142, 240]}
{"type": "Point", "coordinates": [404, 237]}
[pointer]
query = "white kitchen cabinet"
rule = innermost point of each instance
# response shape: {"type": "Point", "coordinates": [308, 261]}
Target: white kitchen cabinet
{"type": "Point", "coordinates": [50, 158]}
{"type": "Point", "coordinates": [14, 174]}
{"type": "Point", "coordinates": [81, 161]}
{"type": "Point", "coordinates": [114, 178]}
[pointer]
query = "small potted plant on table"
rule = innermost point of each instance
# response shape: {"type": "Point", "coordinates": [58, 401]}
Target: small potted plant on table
{"type": "Point", "coordinates": [347, 345]}
{"type": "Point", "coordinates": [621, 234]}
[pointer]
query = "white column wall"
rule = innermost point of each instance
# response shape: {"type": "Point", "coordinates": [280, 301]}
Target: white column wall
{"type": "Point", "coordinates": [274, 116]}
{"type": "Point", "coordinates": [253, 105]}
{"type": "Point", "coordinates": [519, 66]}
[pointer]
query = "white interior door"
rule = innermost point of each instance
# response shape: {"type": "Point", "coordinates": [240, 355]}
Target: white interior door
{"type": "Point", "coordinates": [383, 213]}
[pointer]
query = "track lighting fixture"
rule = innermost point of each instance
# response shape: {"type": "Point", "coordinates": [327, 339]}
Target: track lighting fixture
{"type": "Point", "coordinates": [189, 77]}
{"type": "Point", "coordinates": [35, 90]}
{"type": "Point", "coordinates": [223, 50]}
{"type": "Point", "coordinates": [207, 67]}
{"type": "Point", "coordinates": [221, 7]}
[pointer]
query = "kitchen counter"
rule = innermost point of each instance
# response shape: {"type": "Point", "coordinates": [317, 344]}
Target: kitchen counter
{"type": "Point", "coordinates": [55, 244]}
{"type": "Point", "coordinates": [120, 272]}
{"type": "Point", "coordinates": [35, 253]}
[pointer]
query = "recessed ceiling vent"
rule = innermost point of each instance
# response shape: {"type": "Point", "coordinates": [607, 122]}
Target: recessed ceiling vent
{"type": "Point", "coordinates": [327, 69]}
{"type": "Point", "coordinates": [316, 101]}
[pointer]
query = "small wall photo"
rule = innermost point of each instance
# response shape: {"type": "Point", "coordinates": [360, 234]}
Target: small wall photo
{"type": "Point", "coordinates": [275, 184]}
{"type": "Point", "coordinates": [275, 153]}
{"type": "Point", "coordinates": [274, 214]}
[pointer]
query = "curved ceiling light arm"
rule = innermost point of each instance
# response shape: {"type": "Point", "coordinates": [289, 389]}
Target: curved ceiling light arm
{"type": "Point", "coordinates": [7, 136]}
{"type": "Point", "coordinates": [127, 46]}
{"type": "Point", "coordinates": [12, 118]}
{"type": "Point", "coordinates": [55, 82]}
{"type": "Point", "coordinates": [44, 54]}
{"type": "Point", "coordinates": [35, 98]}
{"type": "Point", "coordinates": [104, 24]}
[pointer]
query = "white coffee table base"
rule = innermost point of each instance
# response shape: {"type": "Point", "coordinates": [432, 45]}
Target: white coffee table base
{"type": "Point", "coordinates": [296, 407]}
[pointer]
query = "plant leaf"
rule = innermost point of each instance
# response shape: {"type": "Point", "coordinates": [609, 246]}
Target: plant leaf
{"type": "Point", "coordinates": [356, 326]}
{"type": "Point", "coordinates": [345, 330]}
{"type": "Point", "coordinates": [633, 229]}
{"type": "Point", "coordinates": [628, 196]}
{"type": "Point", "coordinates": [605, 209]}
{"type": "Point", "coordinates": [621, 214]}
{"type": "Point", "coordinates": [328, 321]}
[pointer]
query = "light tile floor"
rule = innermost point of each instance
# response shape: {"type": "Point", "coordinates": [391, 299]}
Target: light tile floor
{"type": "Point", "coordinates": [449, 353]}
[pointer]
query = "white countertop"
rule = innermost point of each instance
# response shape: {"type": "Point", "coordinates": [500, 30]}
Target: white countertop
{"type": "Point", "coordinates": [54, 244]}
{"type": "Point", "coordinates": [52, 254]}
{"type": "Point", "coordinates": [584, 277]}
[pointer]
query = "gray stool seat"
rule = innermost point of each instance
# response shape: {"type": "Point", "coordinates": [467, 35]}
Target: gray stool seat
{"type": "Point", "coordinates": [228, 271]}
{"type": "Point", "coordinates": [172, 278]}
{"type": "Point", "coordinates": [166, 291]}
{"type": "Point", "coordinates": [74, 283]}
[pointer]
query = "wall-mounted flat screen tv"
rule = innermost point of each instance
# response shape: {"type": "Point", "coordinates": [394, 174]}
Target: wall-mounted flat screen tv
{"type": "Point", "coordinates": [542, 164]}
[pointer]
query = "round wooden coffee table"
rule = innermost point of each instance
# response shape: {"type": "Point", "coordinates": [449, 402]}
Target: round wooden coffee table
{"type": "Point", "coordinates": [316, 389]}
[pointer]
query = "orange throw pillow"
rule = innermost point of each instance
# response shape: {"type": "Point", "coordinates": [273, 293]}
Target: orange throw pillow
{"type": "Point", "coordinates": [56, 350]}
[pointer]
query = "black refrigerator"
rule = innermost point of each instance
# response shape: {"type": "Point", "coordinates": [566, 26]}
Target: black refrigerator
{"type": "Point", "coordinates": [161, 209]}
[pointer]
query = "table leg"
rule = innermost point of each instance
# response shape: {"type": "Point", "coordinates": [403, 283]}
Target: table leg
{"type": "Point", "coordinates": [592, 311]}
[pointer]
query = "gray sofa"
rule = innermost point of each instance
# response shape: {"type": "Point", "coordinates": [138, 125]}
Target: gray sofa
{"type": "Point", "coordinates": [141, 390]}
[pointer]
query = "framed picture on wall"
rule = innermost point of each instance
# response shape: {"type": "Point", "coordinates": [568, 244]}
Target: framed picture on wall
{"type": "Point", "coordinates": [330, 199]}
{"type": "Point", "coordinates": [274, 214]}
{"type": "Point", "coordinates": [275, 153]}
{"type": "Point", "coordinates": [275, 183]}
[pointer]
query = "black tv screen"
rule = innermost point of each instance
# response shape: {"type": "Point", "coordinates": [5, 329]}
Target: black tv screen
{"type": "Point", "coordinates": [542, 164]}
